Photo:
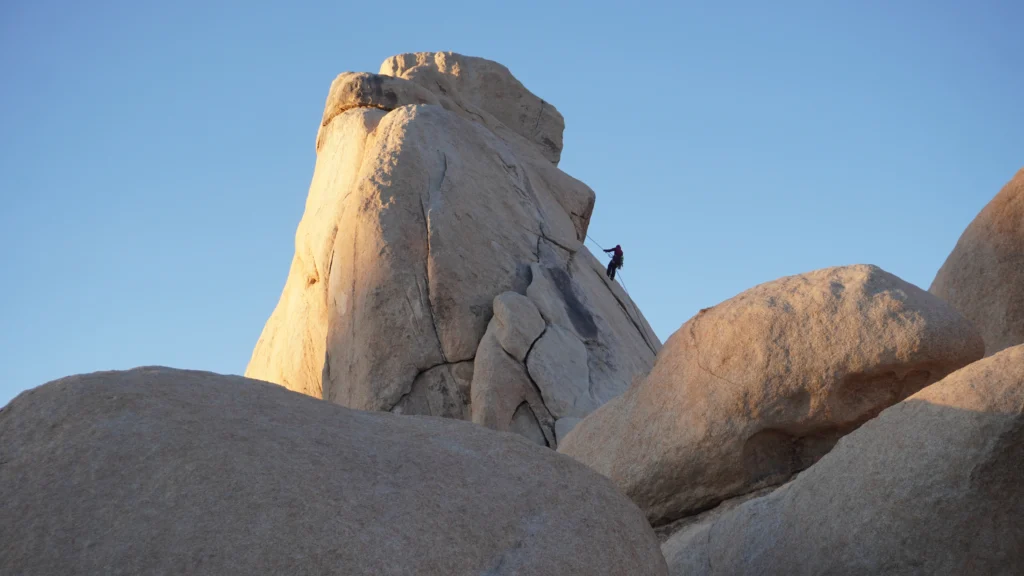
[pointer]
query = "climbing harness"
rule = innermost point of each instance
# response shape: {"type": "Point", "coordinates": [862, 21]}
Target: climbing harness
{"type": "Point", "coordinates": [638, 320]}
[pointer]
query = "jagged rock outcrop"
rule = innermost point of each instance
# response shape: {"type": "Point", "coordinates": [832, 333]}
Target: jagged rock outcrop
{"type": "Point", "coordinates": [983, 277]}
{"type": "Point", "coordinates": [930, 486]}
{"type": "Point", "coordinates": [435, 191]}
{"type": "Point", "coordinates": [759, 387]}
{"type": "Point", "coordinates": [161, 471]}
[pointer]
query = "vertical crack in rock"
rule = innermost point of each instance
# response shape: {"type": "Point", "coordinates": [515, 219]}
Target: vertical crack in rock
{"type": "Point", "coordinates": [532, 344]}
{"type": "Point", "coordinates": [426, 264]}
{"type": "Point", "coordinates": [351, 297]}
{"type": "Point", "coordinates": [545, 419]}
{"type": "Point", "coordinates": [327, 390]}
{"type": "Point", "coordinates": [707, 547]}
{"type": "Point", "coordinates": [540, 115]}
{"type": "Point", "coordinates": [330, 266]}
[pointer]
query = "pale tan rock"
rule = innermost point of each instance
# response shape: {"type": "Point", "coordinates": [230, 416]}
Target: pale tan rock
{"type": "Point", "coordinates": [558, 365]}
{"type": "Point", "coordinates": [587, 354]}
{"type": "Point", "coordinates": [501, 386]}
{"type": "Point", "coordinates": [564, 425]}
{"type": "Point", "coordinates": [488, 86]}
{"type": "Point", "coordinates": [930, 486]}
{"type": "Point", "coordinates": [575, 198]}
{"type": "Point", "coordinates": [625, 346]}
{"type": "Point", "coordinates": [581, 307]}
{"type": "Point", "coordinates": [518, 323]}
{"type": "Point", "coordinates": [441, 391]}
{"type": "Point", "coordinates": [383, 329]}
{"type": "Point", "coordinates": [486, 92]}
{"type": "Point", "coordinates": [161, 471]}
{"type": "Point", "coordinates": [551, 291]}
{"type": "Point", "coordinates": [526, 424]}
{"type": "Point", "coordinates": [363, 90]}
{"type": "Point", "coordinates": [983, 277]}
{"type": "Point", "coordinates": [440, 208]}
{"type": "Point", "coordinates": [761, 386]}
{"type": "Point", "coordinates": [290, 350]}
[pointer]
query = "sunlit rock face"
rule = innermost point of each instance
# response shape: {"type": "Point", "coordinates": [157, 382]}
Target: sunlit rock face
{"type": "Point", "coordinates": [761, 386]}
{"type": "Point", "coordinates": [436, 192]}
{"type": "Point", "coordinates": [931, 486]}
{"type": "Point", "coordinates": [983, 277]}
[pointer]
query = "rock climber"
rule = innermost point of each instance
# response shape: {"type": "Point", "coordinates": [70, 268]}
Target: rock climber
{"type": "Point", "coordinates": [616, 261]}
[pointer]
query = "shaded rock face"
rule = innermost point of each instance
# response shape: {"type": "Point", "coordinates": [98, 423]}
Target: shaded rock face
{"type": "Point", "coordinates": [161, 471]}
{"type": "Point", "coordinates": [753, 390]}
{"type": "Point", "coordinates": [931, 486]}
{"type": "Point", "coordinates": [983, 277]}
{"type": "Point", "coordinates": [435, 191]}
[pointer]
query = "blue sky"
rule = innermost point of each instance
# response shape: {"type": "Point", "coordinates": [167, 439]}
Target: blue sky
{"type": "Point", "coordinates": [155, 157]}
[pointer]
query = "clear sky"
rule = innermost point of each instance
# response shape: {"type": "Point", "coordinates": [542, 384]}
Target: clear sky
{"type": "Point", "coordinates": [155, 157]}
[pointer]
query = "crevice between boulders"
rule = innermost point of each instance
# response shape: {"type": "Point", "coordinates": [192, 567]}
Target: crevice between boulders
{"type": "Point", "coordinates": [549, 434]}
{"type": "Point", "coordinates": [665, 531]}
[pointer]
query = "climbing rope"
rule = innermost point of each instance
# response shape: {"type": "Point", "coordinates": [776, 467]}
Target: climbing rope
{"type": "Point", "coordinates": [639, 319]}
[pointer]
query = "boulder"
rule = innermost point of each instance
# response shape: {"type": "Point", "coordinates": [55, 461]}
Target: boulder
{"type": "Point", "coordinates": [983, 277]}
{"type": "Point", "coordinates": [558, 364]}
{"type": "Point", "coordinates": [500, 388]}
{"type": "Point", "coordinates": [518, 323]}
{"type": "Point", "coordinates": [931, 486]}
{"type": "Point", "coordinates": [431, 197]}
{"type": "Point", "coordinates": [759, 387]}
{"type": "Point", "coordinates": [161, 471]}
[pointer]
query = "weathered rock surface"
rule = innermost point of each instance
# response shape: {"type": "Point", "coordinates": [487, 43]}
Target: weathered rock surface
{"type": "Point", "coordinates": [441, 391]}
{"type": "Point", "coordinates": [290, 350]}
{"type": "Point", "coordinates": [488, 86]}
{"type": "Point", "coordinates": [565, 425]}
{"type": "Point", "coordinates": [518, 323]}
{"type": "Point", "coordinates": [558, 364]}
{"type": "Point", "coordinates": [983, 277]}
{"type": "Point", "coordinates": [501, 386]}
{"type": "Point", "coordinates": [761, 386]}
{"type": "Point", "coordinates": [931, 486]}
{"type": "Point", "coordinates": [435, 191]}
{"type": "Point", "coordinates": [160, 471]}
